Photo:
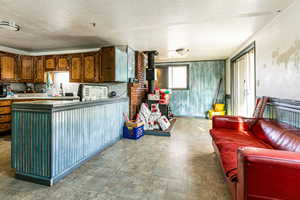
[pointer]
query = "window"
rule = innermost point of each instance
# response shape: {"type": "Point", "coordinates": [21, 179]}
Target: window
{"type": "Point", "coordinates": [172, 77]}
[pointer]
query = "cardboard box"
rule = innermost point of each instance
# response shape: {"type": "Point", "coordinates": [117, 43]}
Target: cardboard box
{"type": "Point", "coordinates": [131, 124]}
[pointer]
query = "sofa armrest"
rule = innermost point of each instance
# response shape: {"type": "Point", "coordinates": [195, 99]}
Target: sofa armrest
{"type": "Point", "coordinates": [268, 174]}
{"type": "Point", "coordinates": [233, 122]}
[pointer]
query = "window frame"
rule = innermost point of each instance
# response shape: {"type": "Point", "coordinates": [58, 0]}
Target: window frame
{"type": "Point", "coordinates": [179, 65]}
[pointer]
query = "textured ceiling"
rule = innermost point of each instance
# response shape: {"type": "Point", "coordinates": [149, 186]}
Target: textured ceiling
{"type": "Point", "coordinates": [211, 29]}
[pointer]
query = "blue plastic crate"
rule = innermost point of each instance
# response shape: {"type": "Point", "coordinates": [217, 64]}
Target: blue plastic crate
{"type": "Point", "coordinates": [134, 133]}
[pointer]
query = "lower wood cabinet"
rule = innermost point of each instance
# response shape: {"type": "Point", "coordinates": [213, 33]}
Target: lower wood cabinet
{"type": "Point", "coordinates": [5, 115]}
{"type": "Point", "coordinates": [5, 118]}
{"type": "Point", "coordinates": [5, 127]}
{"type": "Point", "coordinates": [5, 103]}
{"type": "Point", "coordinates": [5, 110]}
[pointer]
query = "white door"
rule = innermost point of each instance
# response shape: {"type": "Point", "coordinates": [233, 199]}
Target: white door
{"type": "Point", "coordinates": [244, 85]}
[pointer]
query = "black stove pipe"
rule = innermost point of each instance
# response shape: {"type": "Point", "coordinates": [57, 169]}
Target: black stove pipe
{"type": "Point", "coordinates": [150, 72]}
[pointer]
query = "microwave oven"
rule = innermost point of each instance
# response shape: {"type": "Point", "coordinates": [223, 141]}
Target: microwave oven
{"type": "Point", "coordinates": [90, 92]}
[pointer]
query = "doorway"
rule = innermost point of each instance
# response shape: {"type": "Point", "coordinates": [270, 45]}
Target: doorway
{"type": "Point", "coordinates": [243, 82]}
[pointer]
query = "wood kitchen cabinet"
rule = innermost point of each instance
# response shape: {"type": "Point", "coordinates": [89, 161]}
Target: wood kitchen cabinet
{"type": "Point", "coordinates": [110, 64]}
{"type": "Point", "coordinates": [76, 68]}
{"type": "Point", "coordinates": [50, 63]}
{"type": "Point", "coordinates": [8, 65]}
{"type": "Point", "coordinates": [99, 66]}
{"type": "Point", "coordinates": [114, 64]}
{"type": "Point", "coordinates": [90, 67]}
{"type": "Point", "coordinates": [5, 115]}
{"type": "Point", "coordinates": [26, 72]}
{"type": "Point", "coordinates": [39, 69]}
{"type": "Point", "coordinates": [63, 63]}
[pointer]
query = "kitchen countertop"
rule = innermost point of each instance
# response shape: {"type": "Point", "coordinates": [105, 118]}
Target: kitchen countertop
{"type": "Point", "coordinates": [62, 105]}
{"type": "Point", "coordinates": [44, 97]}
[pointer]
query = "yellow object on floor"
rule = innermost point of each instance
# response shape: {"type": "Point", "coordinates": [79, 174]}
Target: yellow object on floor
{"type": "Point", "coordinates": [134, 124]}
{"type": "Point", "coordinates": [219, 107]}
{"type": "Point", "coordinates": [212, 113]}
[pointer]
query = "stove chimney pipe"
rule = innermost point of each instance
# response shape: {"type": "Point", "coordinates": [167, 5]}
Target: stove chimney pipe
{"type": "Point", "coordinates": [150, 72]}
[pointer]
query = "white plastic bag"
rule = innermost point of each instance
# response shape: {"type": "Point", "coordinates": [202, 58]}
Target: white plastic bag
{"type": "Point", "coordinates": [164, 123]}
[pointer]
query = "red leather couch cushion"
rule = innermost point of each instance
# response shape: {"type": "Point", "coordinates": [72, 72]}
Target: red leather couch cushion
{"type": "Point", "coordinates": [228, 152]}
{"type": "Point", "coordinates": [278, 135]}
{"type": "Point", "coordinates": [229, 134]}
{"type": "Point", "coordinates": [228, 141]}
{"type": "Point", "coordinates": [233, 122]}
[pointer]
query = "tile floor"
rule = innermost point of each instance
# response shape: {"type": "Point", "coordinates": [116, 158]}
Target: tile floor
{"type": "Point", "coordinates": [179, 167]}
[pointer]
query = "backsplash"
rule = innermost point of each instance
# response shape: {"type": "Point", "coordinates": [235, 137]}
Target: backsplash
{"type": "Point", "coordinates": [17, 87]}
{"type": "Point", "coordinates": [119, 88]}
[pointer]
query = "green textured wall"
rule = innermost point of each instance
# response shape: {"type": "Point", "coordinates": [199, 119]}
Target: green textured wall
{"type": "Point", "coordinates": [204, 77]}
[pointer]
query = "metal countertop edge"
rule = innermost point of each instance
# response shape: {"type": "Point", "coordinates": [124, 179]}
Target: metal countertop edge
{"type": "Point", "coordinates": [27, 107]}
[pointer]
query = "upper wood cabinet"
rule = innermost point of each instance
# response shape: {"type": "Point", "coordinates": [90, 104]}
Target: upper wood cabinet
{"type": "Point", "coordinates": [39, 69]}
{"type": "Point", "coordinates": [100, 78]}
{"type": "Point", "coordinates": [50, 63]}
{"type": "Point", "coordinates": [63, 63]}
{"type": "Point", "coordinates": [90, 67]}
{"type": "Point", "coordinates": [8, 67]}
{"type": "Point", "coordinates": [26, 68]}
{"type": "Point", "coordinates": [76, 68]}
{"type": "Point", "coordinates": [108, 63]}
{"type": "Point", "coordinates": [114, 64]}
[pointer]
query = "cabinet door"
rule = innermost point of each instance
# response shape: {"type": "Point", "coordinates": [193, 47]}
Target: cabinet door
{"type": "Point", "coordinates": [121, 65]}
{"type": "Point", "coordinates": [90, 67]}
{"type": "Point", "coordinates": [108, 64]}
{"type": "Point", "coordinates": [63, 63]}
{"type": "Point", "coordinates": [100, 78]}
{"type": "Point", "coordinates": [39, 70]}
{"type": "Point", "coordinates": [27, 69]}
{"type": "Point", "coordinates": [50, 64]}
{"type": "Point", "coordinates": [75, 70]}
{"type": "Point", "coordinates": [8, 67]}
{"type": "Point", "coordinates": [131, 63]}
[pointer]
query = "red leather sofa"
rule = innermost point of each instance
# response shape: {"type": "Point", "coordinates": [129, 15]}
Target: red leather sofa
{"type": "Point", "coordinates": [260, 158]}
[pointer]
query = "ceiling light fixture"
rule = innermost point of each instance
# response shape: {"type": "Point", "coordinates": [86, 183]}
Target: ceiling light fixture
{"type": "Point", "coordinates": [182, 51]}
{"type": "Point", "coordinates": [9, 25]}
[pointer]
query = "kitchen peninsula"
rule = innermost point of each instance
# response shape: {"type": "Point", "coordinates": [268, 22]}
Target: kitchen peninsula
{"type": "Point", "coordinates": [6, 104]}
{"type": "Point", "coordinates": [52, 138]}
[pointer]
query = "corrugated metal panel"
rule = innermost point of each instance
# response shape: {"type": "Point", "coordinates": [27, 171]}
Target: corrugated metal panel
{"type": "Point", "coordinates": [131, 62]}
{"type": "Point", "coordinates": [50, 144]}
{"type": "Point", "coordinates": [121, 65]}
{"type": "Point", "coordinates": [31, 139]}
{"type": "Point", "coordinates": [204, 77]}
{"type": "Point", "coordinates": [80, 133]}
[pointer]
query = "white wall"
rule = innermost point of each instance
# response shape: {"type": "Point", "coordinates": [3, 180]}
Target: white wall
{"type": "Point", "coordinates": [278, 55]}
